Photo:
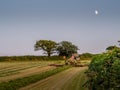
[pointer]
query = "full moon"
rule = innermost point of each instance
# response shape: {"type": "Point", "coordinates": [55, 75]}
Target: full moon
{"type": "Point", "coordinates": [96, 12]}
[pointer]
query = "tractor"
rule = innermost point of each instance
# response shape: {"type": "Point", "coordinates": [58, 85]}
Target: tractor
{"type": "Point", "coordinates": [73, 60]}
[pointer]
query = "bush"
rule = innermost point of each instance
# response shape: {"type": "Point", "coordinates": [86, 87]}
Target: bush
{"type": "Point", "coordinates": [86, 56]}
{"type": "Point", "coordinates": [104, 71]}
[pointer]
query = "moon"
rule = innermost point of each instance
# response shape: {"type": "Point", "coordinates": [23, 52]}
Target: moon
{"type": "Point", "coordinates": [96, 12]}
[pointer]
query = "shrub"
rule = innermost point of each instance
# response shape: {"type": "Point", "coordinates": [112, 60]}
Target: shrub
{"type": "Point", "coordinates": [104, 71]}
{"type": "Point", "coordinates": [86, 56]}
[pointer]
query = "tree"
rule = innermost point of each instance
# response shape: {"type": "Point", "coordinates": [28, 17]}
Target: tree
{"type": "Point", "coordinates": [66, 48]}
{"type": "Point", "coordinates": [112, 47]}
{"type": "Point", "coordinates": [119, 42]}
{"type": "Point", "coordinates": [86, 55]}
{"type": "Point", "coordinates": [48, 46]}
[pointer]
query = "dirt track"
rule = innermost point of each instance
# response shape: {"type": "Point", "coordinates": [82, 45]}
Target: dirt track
{"type": "Point", "coordinates": [56, 82]}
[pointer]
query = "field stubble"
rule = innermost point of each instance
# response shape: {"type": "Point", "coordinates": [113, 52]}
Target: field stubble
{"type": "Point", "coordinates": [13, 70]}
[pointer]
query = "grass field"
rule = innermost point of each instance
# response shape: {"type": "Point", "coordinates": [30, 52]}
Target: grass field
{"type": "Point", "coordinates": [70, 79]}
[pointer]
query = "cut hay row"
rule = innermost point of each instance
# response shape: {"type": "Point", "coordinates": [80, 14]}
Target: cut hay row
{"type": "Point", "coordinates": [16, 70]}
{"type": "Point", "coordinates": [12, 65]}
{"type": "Point", "coordinates": [23, 69]}
{"type": "Point", "coordinates": [26, 73]}
{"type": "Point", "coordinates": [8, 65]}
{"type": "Point", "coordinates": [21, 82]}
{"type": "Point", "coordinates": [18, 67]}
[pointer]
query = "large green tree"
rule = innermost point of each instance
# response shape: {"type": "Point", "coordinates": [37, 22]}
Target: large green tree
{"type": "Point", "coordinates": [48, 46]}
{"type": "Point", "coordinates": [66, 48]}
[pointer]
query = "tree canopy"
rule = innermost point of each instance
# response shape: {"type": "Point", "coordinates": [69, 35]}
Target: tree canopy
{"type": "Point", "coordinates": [66, 48]}
{"type": "Point", "coordinates": [119, 42]}
{"type": "Point", "coordinates": [48, 46]}
{"type": "Point", "coordinates": [112, 47]}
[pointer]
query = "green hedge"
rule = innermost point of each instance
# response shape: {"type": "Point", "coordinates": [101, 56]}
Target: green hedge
{"type": "Point", "coordinates": [29, 58]}
{"type": "Point", "coordinates": [104, 71]}
{"type": "Point", "coordinates": [86, 56]}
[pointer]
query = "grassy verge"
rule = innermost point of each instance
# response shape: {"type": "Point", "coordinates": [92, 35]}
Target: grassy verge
{"type": "Point", "coordinates": [21, 82]}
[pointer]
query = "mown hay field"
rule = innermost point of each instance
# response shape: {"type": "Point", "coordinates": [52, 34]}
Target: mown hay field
{"type": "Point", "coordinates": [70, 79]}
{"type": "Point", "coordinates": [65, 79]}
{"type": "Point", "coordinates": [18, 69]}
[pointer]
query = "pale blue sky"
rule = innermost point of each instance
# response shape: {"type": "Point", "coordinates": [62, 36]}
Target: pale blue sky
{"type": "Point", "coordinates": [22, 22]}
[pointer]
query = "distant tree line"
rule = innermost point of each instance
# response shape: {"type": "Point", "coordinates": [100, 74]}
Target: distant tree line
{"type": "Point", "coordinates": [29, 58]}
{"type": "Point", "coordinates": [87, 56]}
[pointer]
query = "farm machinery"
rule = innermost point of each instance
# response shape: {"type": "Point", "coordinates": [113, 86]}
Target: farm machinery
{"type": "Point", "coordinates": [73, 60]}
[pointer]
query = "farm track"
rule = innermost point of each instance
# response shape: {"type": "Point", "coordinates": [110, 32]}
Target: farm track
{"type": "Point", "coordinates": [58, 81]}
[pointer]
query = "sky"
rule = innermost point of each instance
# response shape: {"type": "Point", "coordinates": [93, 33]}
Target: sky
{"type": "Point", "coordinates": [23, 22]}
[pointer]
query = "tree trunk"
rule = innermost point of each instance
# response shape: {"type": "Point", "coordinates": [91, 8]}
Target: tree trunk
{"type": "Point", "coordinates": [49, 54]}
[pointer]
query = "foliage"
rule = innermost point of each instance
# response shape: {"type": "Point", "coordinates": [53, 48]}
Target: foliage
{"type": "Point", "coordinates": [48, 46]}
{"type": "Point", "coordinates": [21, 82]}
{"type": "Point", "coordinates": [66, 48]}
{"type": "Point", "coordinates": [86, 56]}
{"type": "Point", "coordinates": [112, 47]}
{"type": "Point", "coordinates": [29, 58]}
{"type": "Point", "coordinates": [104, 71]}
{"type": "Point", "coordinates": [119, 42]}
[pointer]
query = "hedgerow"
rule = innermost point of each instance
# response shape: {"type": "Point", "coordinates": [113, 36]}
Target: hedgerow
{"type": "Point", "coordinates": [29, 58]}
{"type": "Point", "coordinates": [104, 71]}
{"type": "Point", "coordinates": [86, 56]}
